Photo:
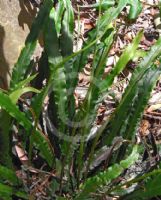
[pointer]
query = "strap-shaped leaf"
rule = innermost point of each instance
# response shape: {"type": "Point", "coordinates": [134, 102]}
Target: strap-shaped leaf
{"type": "Point", "coordinates": [103, 178]}
{"type": "Point", "coordinates": [66, 38]}
{"type": "Point", "coordinates": [58, 15]}
{"type": "Point", "coordinates": [66, 45]}
{"type": "Point", "coordinates": [9, 175]}
{"type": "Point", "coordinates": [104, 25]}
{"type": "Point", "coordinates": [15, 95]}
{"type": "Point", "coordinates": [106, 21]}
{"type": "Point", "coordinates": [94, 35]}
{"type": "Point", "coordinates": [100, 86]}
{"type": "Point", "coordinates": [151, 188]}
{"type": "Point", "coordinates": [7, 191]}
{"type": "Point", "coordinates": [20, 67]}
{"type": "Point", "coordinates": [129, 114]}
{"type": "Point", "coordinates": [135, 97]}
{"type": "Point", "coordinates": [110, 15]}
{"type": "Point", "coordinates": [5, 122]}
{"type": "Point", "coordinates": [87, 111]}
{"type": "Point", "coordinates": [38, 138]}
{"type": "Point", "coordinates": [135, 8]}
{"type": "Point", "coordinates": [89, 108]}
{"type": "Point", "coordinates": [58, 78]}
{"type": "Point", "coordinates": [107, 18]}
{"type": "Point", "coordinates": [25, 82]}
{"type": "Point", "coordinates": [126, 56]}
{"type": "Point", "coordinates": [37, 100]}
{"type": "Point", "coordinates": [145, 86]}
{"type": "Point", "coordinates": [12, 109]}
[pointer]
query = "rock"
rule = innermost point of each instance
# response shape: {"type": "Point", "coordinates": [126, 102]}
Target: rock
{"type": "Point", "coordinates": [16, 17]}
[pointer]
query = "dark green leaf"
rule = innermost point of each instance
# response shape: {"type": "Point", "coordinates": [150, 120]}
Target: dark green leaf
{"type": "Point", "coordinates": [135, 8]}
{"type": "Point", "coordinates": [135, 97]}
{"type": "Point", "coordinates": [58, 79]}
{"type": "Point", "coordinates": [9, 175]}
{"type": "Point", "coordinates": [38, 138]}
{"type": "Point", "coordinates": [103, 178]}
{"type": "Point", "coordinates": [24, 59]}
{"type": "Point", "coordinates": [7, 191]}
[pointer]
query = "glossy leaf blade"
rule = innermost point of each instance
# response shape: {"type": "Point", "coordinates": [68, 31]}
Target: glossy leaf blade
{"type": "Point", "coordinates": [127, 55]}
{"type": "Point", "coordinates": [57, 78]}
{"type": "Point", "coordinates": [128, 103]}
{"type": "Point", "coordinates": [104, 178]}
{"type": "Point", "coordinates": [151, 188]}
{"type": "Point", "coordinates": [23, 62]}
{"type": "Point", "coordinates": [9, 175]}
{"type": "Point", "coordinates": [66, 45]}
{"type": "Point", "coordinates": [7, 191]}
{"type": "Point", "coordinates": [15, 95]}
{"type": "Point", "coordinates": [40, 140]}
{"type": "Point", "coordinates": [135, 8]}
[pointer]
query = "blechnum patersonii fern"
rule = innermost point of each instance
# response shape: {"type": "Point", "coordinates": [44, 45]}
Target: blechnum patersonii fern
{"type": "Point", "coordinates": [85, 165]}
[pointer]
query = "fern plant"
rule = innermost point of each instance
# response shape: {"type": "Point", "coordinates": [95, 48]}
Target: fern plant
{"type": "Point", "coordinates": [87, 165]}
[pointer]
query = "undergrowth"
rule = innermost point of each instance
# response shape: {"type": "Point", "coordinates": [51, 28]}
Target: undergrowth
{"type": "Point", "coordinates": [57, 134]}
